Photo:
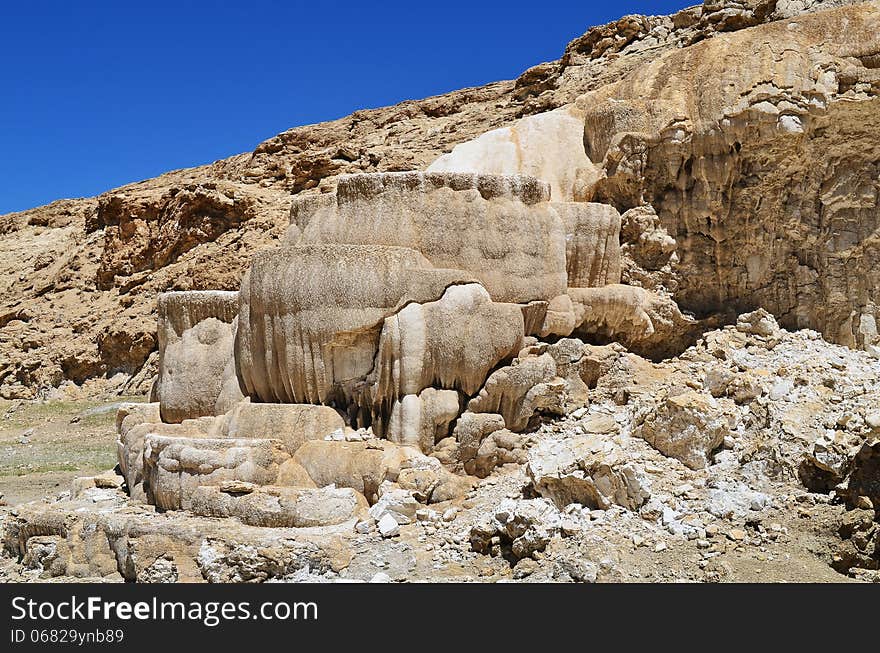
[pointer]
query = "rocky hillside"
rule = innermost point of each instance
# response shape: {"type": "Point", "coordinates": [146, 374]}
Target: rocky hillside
{"type": "Point", "coordinates": [733, 163]}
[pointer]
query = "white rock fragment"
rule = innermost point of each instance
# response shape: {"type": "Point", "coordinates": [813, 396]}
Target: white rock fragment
{"type": "Point", "coordinates": [388, 526]}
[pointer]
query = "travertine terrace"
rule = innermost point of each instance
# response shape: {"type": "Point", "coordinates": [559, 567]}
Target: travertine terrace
{"type": "Point", "coordinates": [622, 306]}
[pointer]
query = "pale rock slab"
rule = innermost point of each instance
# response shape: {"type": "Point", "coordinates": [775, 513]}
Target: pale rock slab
{"type": "Point", "coordinates": [293, 424]}
{"type": "Point", "coordinates": [175, 466]}
{"type": "Point", "coordinates": [587, 470]}
{"type": "Point", "coordinates": [547, 146]}
{"type": "Point", "coordinates": [688, 427]}
{"type": "Point", "coordinates": [279, 507]}
{"type": "Point", "coordinates": [196, 335]}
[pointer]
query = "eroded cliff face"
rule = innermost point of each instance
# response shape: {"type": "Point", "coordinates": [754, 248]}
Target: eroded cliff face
{"type": "Point", "coordinates": [78, 285]}
{"type": "Point", "coordinates": [760, 153]}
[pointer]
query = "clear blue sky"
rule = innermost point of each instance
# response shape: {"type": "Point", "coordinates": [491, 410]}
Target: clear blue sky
{"type": "Point", "coordinates": [99, 94]}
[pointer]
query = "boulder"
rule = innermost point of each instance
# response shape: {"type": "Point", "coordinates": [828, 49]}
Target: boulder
{"type": "Point", "coordinates": [395, 501]}
{"type": "Point", "coordinates": [573, 367]}
{"type": "Point", "coordinates": [130, 445]}
{"type": "Point", "coordinates": [828, 461]}
{"type": "Point", "coordinates": [588, 470]}
{"type": "Point", "coordinates": [470, 430]}
{"type": "Point", "coordinates": [362, 466]}
{"type": "Point", "coordinates": [688, 427]}
{"type": "Point", "coordinates": [864, 479]}
{"type": "Point", "coordinates": [499, 448]}
{"type": "Point", "coordinates": [592, 243]}
{"type": "Point", "coordinates": [516, 528]}
{"type": "Point", "coordinates": [758, 323]}
{"type": "Point", "coordinates": [430, 482]}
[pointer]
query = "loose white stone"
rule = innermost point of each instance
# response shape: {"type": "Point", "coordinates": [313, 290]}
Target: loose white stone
{"type": "Point", "coordinates": [388, 526]}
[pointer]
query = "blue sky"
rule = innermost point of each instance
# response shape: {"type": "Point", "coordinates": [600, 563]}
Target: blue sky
{"type": "Point", "coordinates": [99, 94]}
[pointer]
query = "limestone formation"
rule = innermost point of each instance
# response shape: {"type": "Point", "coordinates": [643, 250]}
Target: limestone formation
{"type": "Point", "coordinates": [293, 424]}
{"type": "Point", "coordinates": [645, 240]}
{"type": "Point", "coordinates": [713, 148]}
{"type": "Point", "coordinates": [470, 431]}
{"type": "Point", "coordinates": [516, 528]}
{"type": "Point", "coordinates": [452, 343]}
{"type": "Point", "coordinates": [592, 243]}
{"type": "Point", "coordinates": [689, 427]}
{"type": "Point", "coordinates": [175, 466]}
{"type": "Point", "coordinates": [130, 445]}
{"type": "Point", "coordinates": [71, 539]}
{"type": "Point", "coordinates": [196, 333]}
{"type": "Point", "coordinates": [498, 303]}
{"type": "Point", "coordinates": [588, 471]}
{"type": "Point", "coordinates": [357, 465]}
{"type": "Point", "coordinates": [548, 146]}
{"type": "Point", "coordinates": [84, 312]}
{"type": "Point", "coordinates": [310, 317]}
{"type": "Point", "coordinates": [500, 229]}
{"type": "Point", "coordinates": [519, 391]}
{"type": "Point", "coordinates": [644, 321]}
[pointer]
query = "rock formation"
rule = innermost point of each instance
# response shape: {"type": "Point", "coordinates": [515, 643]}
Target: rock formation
{"type": "Point", "coordinates": [417, 315]}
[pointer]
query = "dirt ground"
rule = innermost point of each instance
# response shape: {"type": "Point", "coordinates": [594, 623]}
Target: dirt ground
{"type": "Point", "coordinates": [44, 445]}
